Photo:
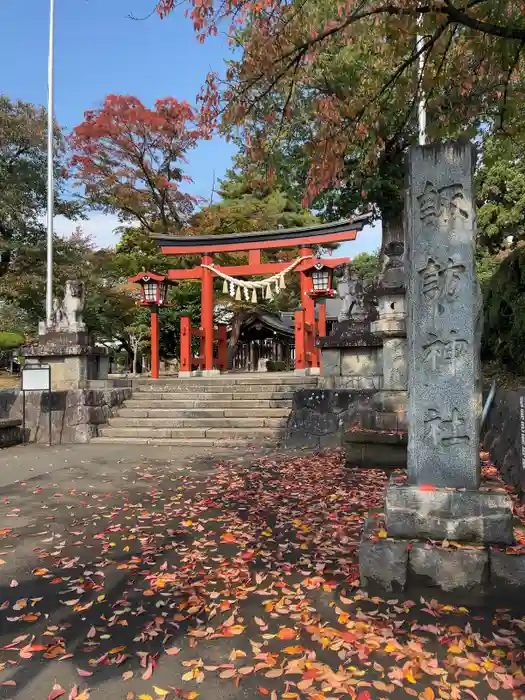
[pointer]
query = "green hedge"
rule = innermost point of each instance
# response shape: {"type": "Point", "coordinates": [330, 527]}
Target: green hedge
{"type": "Point", "coordinates": [504, 313]}
{"type": "Point", "coordinates": [276, 366]}
{"type": "Point", "coordinates": [10, 341]}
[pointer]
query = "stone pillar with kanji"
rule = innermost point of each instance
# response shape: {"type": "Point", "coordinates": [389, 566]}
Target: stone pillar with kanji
{"type": "Point", "coordinates": [441, 498]}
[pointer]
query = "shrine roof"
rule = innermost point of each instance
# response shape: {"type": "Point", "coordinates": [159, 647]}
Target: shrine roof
{"type": "Point", "coordinates": [270, 321]}
{"type": "Point", "coordinates": [337, 231]}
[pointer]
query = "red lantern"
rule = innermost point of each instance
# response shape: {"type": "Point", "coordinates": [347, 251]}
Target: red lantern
{"type": "Point", "coordinates": [321, 273]}
{"type": "Point", "coordinates": [153, 291]}
{"type": "Point", "coordinates": [153, 288]}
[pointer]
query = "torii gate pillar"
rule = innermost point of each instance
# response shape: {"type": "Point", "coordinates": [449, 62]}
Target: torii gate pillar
{"type": "Point", "coordinates": [207, 316]}
{"type": "Point", "coordinates": [308, 305]}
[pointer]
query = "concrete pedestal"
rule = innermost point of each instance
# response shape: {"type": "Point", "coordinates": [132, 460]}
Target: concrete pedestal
{"type": "Point", "coordinates": [478, 515]}
{"type": "Point", "coordinates": [73, 358]}
{"type": "Point", "coordinates": [352, 357]}
{"type": "Point", "coordinates": [473, 572]}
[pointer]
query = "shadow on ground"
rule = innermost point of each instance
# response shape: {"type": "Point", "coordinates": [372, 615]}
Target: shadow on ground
{"type": "Point", "coordinates": [235, 580]}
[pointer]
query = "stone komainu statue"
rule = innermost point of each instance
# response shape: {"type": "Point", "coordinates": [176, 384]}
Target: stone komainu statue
{"type": "Point", "coordinates": [351, 292]}
{"type": "Point", "coordinates": [67, 316]}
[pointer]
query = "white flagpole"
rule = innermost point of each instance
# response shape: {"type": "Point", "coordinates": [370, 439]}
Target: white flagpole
{"type": "Point", "coordinates": [50, 179]}
{"type": "Point", "coordinates": [421, 108]}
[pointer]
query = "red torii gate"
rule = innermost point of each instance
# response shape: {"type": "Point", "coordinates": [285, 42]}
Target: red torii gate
{"type": "Point", "coordinates": [304, 238]}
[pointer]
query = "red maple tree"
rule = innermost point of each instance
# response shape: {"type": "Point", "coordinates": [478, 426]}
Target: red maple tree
{"type": "Point", "coordinates": [130, 159]}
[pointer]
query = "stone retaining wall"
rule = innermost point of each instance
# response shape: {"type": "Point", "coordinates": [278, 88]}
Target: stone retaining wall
{"type": "Point", "coordinates": [75, 415]}
{"type": "Point", "coordinates": [10, 432]}
{"type": "Point", "coordinates": [503, 436]}
{"type": "Point", "coordinates": [322, 417]}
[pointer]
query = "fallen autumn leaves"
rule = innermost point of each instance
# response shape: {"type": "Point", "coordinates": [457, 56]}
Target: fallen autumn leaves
{"type": "Point", "coordinates": [178, 585]}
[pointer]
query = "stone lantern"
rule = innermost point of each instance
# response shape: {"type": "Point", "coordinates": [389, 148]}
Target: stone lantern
{"type": "Point", "coordinates": [391, 322]}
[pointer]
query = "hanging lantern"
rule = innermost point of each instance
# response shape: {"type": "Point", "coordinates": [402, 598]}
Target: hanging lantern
{"type": "Point", "coordinates": [153, 288]}
{"type": "Point", "coordinates": [321, 278]}
{"type": "Point", "coordinates": [321, 274]}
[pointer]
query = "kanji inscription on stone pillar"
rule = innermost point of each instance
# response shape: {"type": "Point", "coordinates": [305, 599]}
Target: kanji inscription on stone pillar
{"type": "Point", "coordinates": [444, 318]}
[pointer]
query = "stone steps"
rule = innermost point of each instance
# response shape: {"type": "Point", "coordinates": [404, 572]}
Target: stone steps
{"type": "Point", "coordinates": [225, 380]}
{"type": "Point", "coordinates": [174, 400]}
{"type": "Point", "coordinates": [263, 394]}
{"type": "Point", "coordinates": [228, 411]}
{"type": "Point", "coordinates": [181, 413]}
{"type": "Point", "coordinates": [249, 434]}
{"type": "Point", "coordinates": [200, 422]}
{"type": "Point", "coordinates": [230, 405]}
{"type": "Point", "coordinates": [250, 390]}
{"type": "Point", "coordinates": [181, 442]}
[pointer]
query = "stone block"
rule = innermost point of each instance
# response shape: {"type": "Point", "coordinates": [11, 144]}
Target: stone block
{"type": "Point", "coordinates": [369, 456]}
{"type": "Point", "coordinates": [10, 432]}
{"type": "Point", "coordinates": [395, 364]}
{"type": "Point", "coordinates": [330, 440]}
{"type": "Point", "coordinates": [388, 421]}
{"type": "Point", "coordinates": [375, 437]}
{"type": "Point", "coordinates": [354, 454]}
{"type": "Point", "coordinates": [371, 449]}
{"type": "Point", "coordinates": [507, 571]}
{"type": "Point", "coordinates": [331, 362]}
{"type": "Point", "coordinates": [361, 362]}
{"type": "Point", "coordinates": [382, 563]}
{"type": "Point", "coordinates": [448, 569]}
{"type": "Point", "coordinates": [469, 516]}
{"type": "Point", "coordinates": [347, 335]}
{"type": "Point", "coordinates": [393, 401]}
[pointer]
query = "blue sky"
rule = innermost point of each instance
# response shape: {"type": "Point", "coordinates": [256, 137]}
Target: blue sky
{"type": "Point", "coordinates": [99, 50]}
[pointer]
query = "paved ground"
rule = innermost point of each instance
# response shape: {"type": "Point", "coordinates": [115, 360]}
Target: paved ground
{"type": "Point", "coordinates": [147, 573]}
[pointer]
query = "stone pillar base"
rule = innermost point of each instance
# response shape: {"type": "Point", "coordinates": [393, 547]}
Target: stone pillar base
{"type": "Point", "coordinates": [475, 516]}
{"type": "Point", "coordinates": [307, 372]}
{"type": "Point", "coordinates": [72, 356]}
{"type": "Point", "coordinates": [199, 373]}
{"type": "Point", "coordinates": [472, 573]}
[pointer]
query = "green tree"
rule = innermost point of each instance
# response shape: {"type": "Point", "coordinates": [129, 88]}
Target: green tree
{"type": "Point", "coordinates": [10, 341]}
{"type": "Point", "coordinates": [500, 192]}
{"type": "Point", "coordinates": [23, 179]}
{"type": "Point", "coordinates": [251, 200]}
{"type": "Point", "coordinates": [23, 285]}
{"type": "Point", "coordinates": [367, 266]}
{"type": "Point", "coordinates": [504, 317]}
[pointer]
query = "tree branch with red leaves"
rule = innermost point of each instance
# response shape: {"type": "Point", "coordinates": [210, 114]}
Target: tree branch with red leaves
{"type": "Point", "coordinates": [129, 159]}
{"type": "Point", "coordinates": [336, 81]}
